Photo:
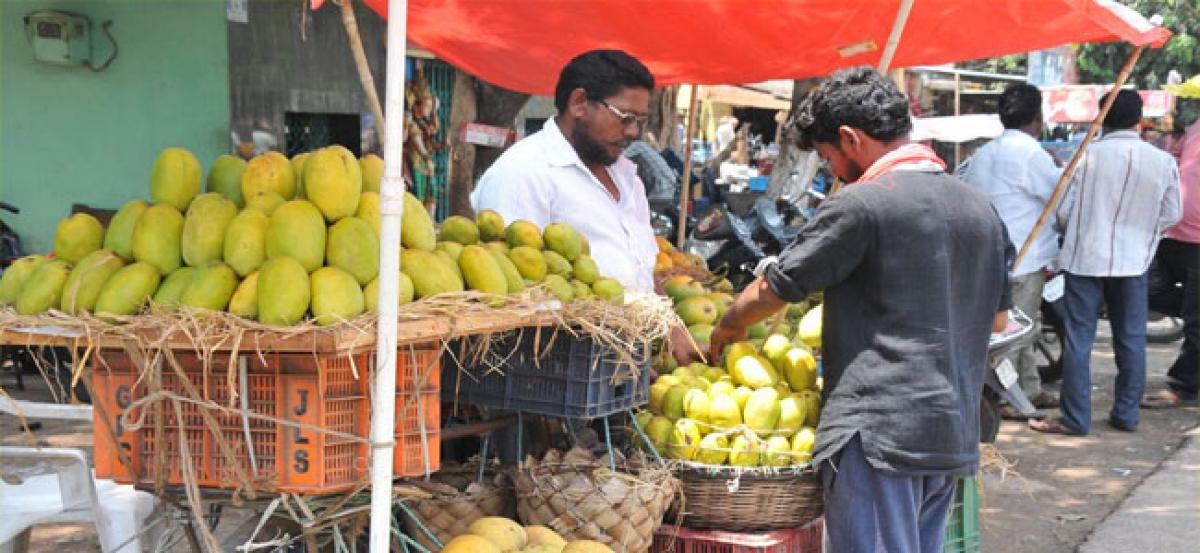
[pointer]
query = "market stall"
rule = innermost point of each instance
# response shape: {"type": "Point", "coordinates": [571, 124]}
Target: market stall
{"type": "Point", "coordinates": [256, 377]}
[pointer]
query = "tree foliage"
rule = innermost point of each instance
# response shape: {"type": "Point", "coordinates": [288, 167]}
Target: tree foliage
{"type": "Point", "coordinates": [1100, 63]}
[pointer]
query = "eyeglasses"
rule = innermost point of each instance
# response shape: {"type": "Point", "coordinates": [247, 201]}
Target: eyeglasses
{"type": "Point", "coordinates": [626, 118]}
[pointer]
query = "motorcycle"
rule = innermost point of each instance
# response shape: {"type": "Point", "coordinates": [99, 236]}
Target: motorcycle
{"type": "Point", "coordinates": [1000, 381]}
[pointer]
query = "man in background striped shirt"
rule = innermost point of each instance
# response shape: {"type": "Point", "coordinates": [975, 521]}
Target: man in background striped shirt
{"type": "Point", "coordinates": [1123, 196]}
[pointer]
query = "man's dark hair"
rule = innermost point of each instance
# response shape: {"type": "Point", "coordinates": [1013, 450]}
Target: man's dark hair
{"type": "Point", "coordinates": [857, 97]}
{"type": "Point", "coordinates": [1126, 111]}
{"type": "Point", "coordinates": [1020, 105]}
{"type": "Point", "coordinates": [601, 74]}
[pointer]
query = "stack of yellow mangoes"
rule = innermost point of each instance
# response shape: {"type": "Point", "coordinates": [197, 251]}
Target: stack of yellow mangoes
{"type": "Point", "coordinates": [275, 240]}
{"type": "Point", "coordinates": [669, 258]}
{"type": "Point", "coordinates": [760, 408]}
{"type": "Point", "coordinates": [502, 535]}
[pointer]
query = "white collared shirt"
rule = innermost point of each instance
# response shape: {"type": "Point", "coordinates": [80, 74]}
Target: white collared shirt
{"type": "Point", "coordinates": [1018, 177]}
{"type": "Point", "coordinates": [542, 180]}
{"type": "Point", "coordinates": [1122, 197]}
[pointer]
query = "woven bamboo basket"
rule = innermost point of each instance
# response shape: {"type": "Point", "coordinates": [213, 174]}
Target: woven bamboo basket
{"type": "Point", "coordinates": [592, 502]}
{"type": "Point", "coordinates": [458, 500]}
{"type": "Point", "coordinates": [736, 499]}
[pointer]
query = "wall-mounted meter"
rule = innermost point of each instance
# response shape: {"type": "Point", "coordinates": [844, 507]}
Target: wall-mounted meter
{"type": "Point", "coordinates": [59, 37]}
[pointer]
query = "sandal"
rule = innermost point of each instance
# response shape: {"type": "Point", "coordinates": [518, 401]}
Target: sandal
{"type": "Point", "coordinates": [1045, 400]}
{"type": "Point", "coordinates": [1053, 426]}
{"type": "Point", "coordinates": [1161, 399]}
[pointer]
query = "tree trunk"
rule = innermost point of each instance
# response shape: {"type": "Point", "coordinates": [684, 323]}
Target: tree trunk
{"type": "Point", "coordinates": [497, 107]}
{"type": "Point", "coordinates": [461, 178]}
{"type": "Point", "coordinates": [791, 158]}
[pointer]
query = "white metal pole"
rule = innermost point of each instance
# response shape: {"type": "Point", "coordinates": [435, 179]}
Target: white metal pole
{"type": "Point", "coordinates": [893, 41]}
{"type": "Point", "coordinates": [391, 207]}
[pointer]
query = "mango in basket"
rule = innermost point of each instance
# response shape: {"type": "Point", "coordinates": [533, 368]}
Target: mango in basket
{"type": "Point", "coordinates": [266, 202]}
{"type": "Point", "coordinates": [225, 178]}
{"type": "Point", "coordinates": [204, 227]}
{"type": "Point", "coordinates": [504, 533]}
{"type": "Point", "coordinates": [269, 172]}
{"type": "Point", "coordinates": [491, 225]}
{"type": "Point", "coordinates": [298, 162]}
{"type": "Point", "coordinates": [800, 370]}
{"type": "Point", "coordinates": [119, 235]}
{"type": "Point", "coordinates": [723, 411]}
{"type": "Point", "coordinates": [673, 402]}
{"type": "Point", "coordinates": [43, 289]}
{"type": "Point", "coordinates": [245, 247]}
{"type": "Point", "coordinates": [283, 292]}
{"type": "Point", "coordinates": [695, 405]}
{"type": "Point", "coordinates": [659, 431]}
{"type": "Point", "coordinates": [210, 287]}
{"type": "Point", "coordinates": [685, 439]}
{"type": "Point", "coordinates": [371, 167]}
{"type": "Point", "coordinates": [802, 444]}
{"type": "Point", "coordinates": [333, 182]}
{"type": "Point", "coordinates": [368, 210]}
{"type": "Point", "coordinates": [156, 238]}
{"type": "Point", "coordinates": [175, 178]}
{"type": "Point", "coordinates": [16, 276]}
{"type": "Point", "coordinates": [560, 238]}
{"type": "Point", "coordinates": [529, 262]}
{"type": "Point", "coordinates": [335, 296]}
{"type": "Point", "coordinates": [416, 226]}
{"type": "Point", "coordinates": [540, 535]}
{"type": "Point", "coordinates": [171, 289]}
{"type": "Point", "coordinates": [244, 302]}
{"type": "Point", "coordinates": [430, 273]}
{"type": "Point", "coordinates": [792, 414]}
{"type": "Point", "coordinates": [585, 269]}
{"type": "Point", "coordinates": [744, 452]}
{"type": "Point", "coordinates": [742, 394]}
{"type": "Point", "coordinates": [460, 230]}
{"type": "Point", "coordinates": [713, 449]}
{"type": "Point", "coordinates": [128, 289]}
{"type": "Point", "coordinates": [779, 452]}
{"type": "Point", "coordinates": [754, 370]}
{"type": "Point", "coordinates": [353, 246]}
{"type": "Point", "coordinates": [297, 230]}
{"type": "Point", "coordinates": [87, 279]}
{"type": "Point", "coordinates": [762, 411]}
{"type": "Point", "coordinates": [558, 265]}
{"type": "Point", "coordinates": [524, 233]}
{"type": "Point", "coordinates": [470, 543]}
{"type": "Point", "coordinates": [582, 290]}
{"type": "Point", "coordinates": [609, 289]}
{"type": "Point", "coordinates": [512, 276]}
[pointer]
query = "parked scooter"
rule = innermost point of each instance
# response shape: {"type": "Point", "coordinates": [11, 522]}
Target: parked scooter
{"type": "Point", "coordinates": [1001, 380]}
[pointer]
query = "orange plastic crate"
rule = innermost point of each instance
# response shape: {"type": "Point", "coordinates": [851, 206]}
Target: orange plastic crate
{"type": "Point", "coordinates": [320, 391]}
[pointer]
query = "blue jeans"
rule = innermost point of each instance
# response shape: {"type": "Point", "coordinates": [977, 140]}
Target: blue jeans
{"type": "Point", "coordinates": [1127, 306]}
{"type": "Point", "coordinates": [870, 511]}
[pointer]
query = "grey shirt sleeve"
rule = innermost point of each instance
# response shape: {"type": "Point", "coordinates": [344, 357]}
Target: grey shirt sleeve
{"type": "Point", "coordinates": [829, 248]}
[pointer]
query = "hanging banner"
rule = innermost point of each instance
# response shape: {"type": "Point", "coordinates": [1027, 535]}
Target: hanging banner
{"type": "Point", "coordinates": [1081, 103]}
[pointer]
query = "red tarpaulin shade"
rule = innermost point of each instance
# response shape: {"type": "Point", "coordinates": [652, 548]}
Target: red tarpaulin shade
{"type": "Point", "coordinates": [522, 45]}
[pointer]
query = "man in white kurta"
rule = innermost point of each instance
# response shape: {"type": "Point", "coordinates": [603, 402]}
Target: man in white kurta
{"type": "Point", "coordinates": [572, 171]}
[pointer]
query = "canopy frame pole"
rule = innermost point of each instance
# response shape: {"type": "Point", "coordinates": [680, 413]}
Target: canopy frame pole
{"type": "Point", "coordinates": [362, 66]}
{"type": "Point", "coordinates": [685, 182]}
{"type": "Point", "coordinates": [893, 41]}
{"type": "Point", "coordinates": [1061, 188]}
{"type": "Point", "coordinates": [391, 208]}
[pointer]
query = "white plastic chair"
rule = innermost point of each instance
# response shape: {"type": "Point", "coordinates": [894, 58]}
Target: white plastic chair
{"type": "Point", "coordinates": [55, 485]}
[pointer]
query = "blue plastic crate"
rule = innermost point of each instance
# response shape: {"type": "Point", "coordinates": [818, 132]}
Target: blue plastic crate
{"type": "Point", "coordinates": [548, 373]}
{"type": "Point", "coordinates": [759, 184]}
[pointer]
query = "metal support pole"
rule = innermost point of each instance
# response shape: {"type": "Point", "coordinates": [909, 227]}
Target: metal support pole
{"type": "Point", "coordinates": [383, 419]}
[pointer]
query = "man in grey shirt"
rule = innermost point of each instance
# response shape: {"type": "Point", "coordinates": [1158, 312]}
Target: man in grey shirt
{"type": "Point", "coordinates": [1122, 198]}
{"type": "Point", "coordinates": [913, 263]}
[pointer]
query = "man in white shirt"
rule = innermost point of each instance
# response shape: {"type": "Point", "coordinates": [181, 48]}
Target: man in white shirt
{"type": "Point", "coordinates": [1121, 199]}
{"type": "Point", "coordinates": [1018, 177]}
{"type": "Point", "coordinates": [572, 170]}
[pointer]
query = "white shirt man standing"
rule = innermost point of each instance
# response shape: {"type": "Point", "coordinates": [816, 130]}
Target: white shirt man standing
{"type": "Point", "coordinates": [572, 171]}
{"type": "Point", "coordinates": [1018, 177]}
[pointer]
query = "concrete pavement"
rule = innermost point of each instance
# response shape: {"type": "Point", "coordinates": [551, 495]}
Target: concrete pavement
{"type": "Point", "coordinates": [1162, 515]}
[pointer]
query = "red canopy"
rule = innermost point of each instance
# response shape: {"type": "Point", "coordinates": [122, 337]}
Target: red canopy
{"type": "Point", "coordinates": [522, 45]}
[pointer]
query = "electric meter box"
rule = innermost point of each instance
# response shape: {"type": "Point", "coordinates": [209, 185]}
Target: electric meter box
{"type": "Point", "coordinates": [59, 37]}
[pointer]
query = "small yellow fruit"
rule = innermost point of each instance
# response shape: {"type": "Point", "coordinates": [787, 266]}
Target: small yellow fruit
{"type": "Point", "coordinates": [540, 535]}
{"type": "Point", "coordinates": [469, 543]}
{"type": "Point", "coordinates": [504, 533]}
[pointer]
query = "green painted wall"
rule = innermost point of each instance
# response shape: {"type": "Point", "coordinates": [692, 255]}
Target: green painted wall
{"type": "Point", "coordinates": [68, 135]}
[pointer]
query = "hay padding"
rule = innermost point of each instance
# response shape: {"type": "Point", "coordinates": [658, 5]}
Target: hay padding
{"type": "Point", "coordinates": [592, 502]}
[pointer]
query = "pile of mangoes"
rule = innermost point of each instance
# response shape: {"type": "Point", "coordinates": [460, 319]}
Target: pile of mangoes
{"type": "Point", "coordinates": [277, 240]}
